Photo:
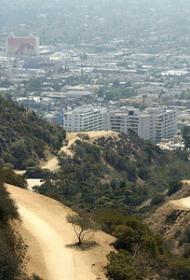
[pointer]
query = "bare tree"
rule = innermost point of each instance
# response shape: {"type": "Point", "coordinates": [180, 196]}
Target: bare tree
{"type": "Point", "coordinates": [83, 226]}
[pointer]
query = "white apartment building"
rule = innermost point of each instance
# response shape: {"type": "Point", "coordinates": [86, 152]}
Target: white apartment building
{"type": "Point", "coordinates": [153, 124]}
{"type": "Point", "coordinates": [122, 120]}
{"type": "Point", "coordinates": [164, 123]}
{"type": "Point", "coordinates": [85, 118]}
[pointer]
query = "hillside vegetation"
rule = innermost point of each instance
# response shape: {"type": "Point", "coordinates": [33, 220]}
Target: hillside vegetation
{"type": "Point", "coordinates": [171, 220]}
{"type": "Point", "coordinates": [119, 173]}
{"type": "Point", "coordinates": [112, 178]}
{"type": "Point", "coordinates": [12, 247]}
{"type": "Point", "coordinates": [24, 137]}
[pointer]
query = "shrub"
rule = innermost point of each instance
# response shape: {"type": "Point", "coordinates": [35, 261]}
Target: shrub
{"type": "Point", "coordinates": [158, 199]}
{"type": "Point", "coordinates": [174, 187]}
{"type": "Point", "coordinates": [179, 268]}
{"type": "Point", "coordinates": [36, 173]}
{"type": "Point", "coordinates": [121, 267]}
{"type": "Point", "coordinates": [171, 217]}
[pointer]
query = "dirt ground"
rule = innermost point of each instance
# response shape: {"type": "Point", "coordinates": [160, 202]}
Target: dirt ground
{"type": "Point", "coordinates": [181, 204]}
{"type": "Point", "coordinates": [184, 202]}
{"type": "Point", "coordinates": [53, 165]}
{"type": "Point", "coordinates": [33, 182]}
{"type": "Point", "coordinates": [48, 236]}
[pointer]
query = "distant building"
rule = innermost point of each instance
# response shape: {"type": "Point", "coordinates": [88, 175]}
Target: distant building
{"type": "Point", "coordinates": [153, 124]}
{"type": "Point", "coordinates": [55, 118]}
{"type": "Point", "coordinates": [163, 123]}
{"type": "Point", "coordinates": [25, 46]}
{"type": "Point", "coordinates": [85, 118]}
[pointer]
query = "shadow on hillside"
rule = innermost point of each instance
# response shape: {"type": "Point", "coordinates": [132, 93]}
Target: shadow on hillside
{"type": "Point", "coordinates": [84, 246]}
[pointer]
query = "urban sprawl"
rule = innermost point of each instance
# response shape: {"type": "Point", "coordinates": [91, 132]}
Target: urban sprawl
{"type": "Point", "coordinates": [110, 88]}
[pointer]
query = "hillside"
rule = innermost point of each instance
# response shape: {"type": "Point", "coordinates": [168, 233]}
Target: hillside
{"type": "Point", "coordinates": [118, 172]}
{"type": "Point", "coordinates": [24, 137]}
{"type": "Point", "coordinates": [171, 220]}
{"type": "Point", "coordinates": [50, 240]}
{"type": "Point", "coordinates": [121, 179]}
{"type": "Point", "coordinates": [53, 164]}
{"type": "Point", "coordinates": [12, 246]}
{"type": "Point", "coordinates": [111, 178]}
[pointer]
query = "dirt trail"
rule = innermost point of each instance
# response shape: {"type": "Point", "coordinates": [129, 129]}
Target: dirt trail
{"type": "Point", "coordinates": [183, 203]}
{"type": "Point", "coordinates": [47, 234]}
{"type": "Point", "coordinates": [53, 165]}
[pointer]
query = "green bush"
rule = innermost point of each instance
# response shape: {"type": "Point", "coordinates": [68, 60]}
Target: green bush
{"type": "Point", "coordinates": [9, 177]}
{"type": "Point", "coordinates": [174, 187]}
{"type": "Point", "coordinates": [121, 267]}
{"type": "Point", "coordinates": [171, 217]}
{"type": "Point", "coordinates": [179, 268]}
{"type": "Point", "coordinates": [36, 172]}
{"type": "Point", "coordinates": [24, 137]}
{"type": "Point", "coordinates": [157, 199]}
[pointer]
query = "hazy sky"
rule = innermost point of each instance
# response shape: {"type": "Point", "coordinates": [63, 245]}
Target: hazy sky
{"type": "Point", "coordinates": [71, 18]}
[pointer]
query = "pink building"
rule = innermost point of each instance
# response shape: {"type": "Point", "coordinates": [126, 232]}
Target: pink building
{"type": "Point", "coordinates": [28, 46]}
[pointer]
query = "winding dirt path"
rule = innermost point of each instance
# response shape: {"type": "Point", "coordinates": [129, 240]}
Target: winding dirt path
{"type": "Point", "coordinates": [53, 165]}
{"type": "Point", "coordinates": [48, 236]}
{"type": "Point", "coordinates": [183, 203]}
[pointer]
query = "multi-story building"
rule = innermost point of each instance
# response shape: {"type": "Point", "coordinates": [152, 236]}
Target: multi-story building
{"type": "Point", "coordinates": [24, 46]}
{"type": "Point", "coordinates": [153, 124]}
{"type": "Point", "coordinates": [122, 120]}
{"type": "Point", "coordinates": [85, 118]}
{"type": "Point", "coordinates": [164, 123]}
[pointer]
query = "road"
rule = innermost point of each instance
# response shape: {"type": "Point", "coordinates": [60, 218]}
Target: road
{"type": "Point", "coordinates": [48, 235]}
